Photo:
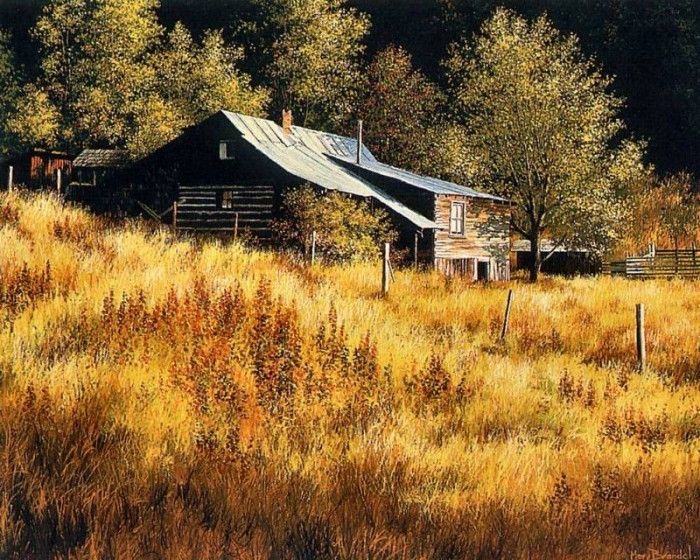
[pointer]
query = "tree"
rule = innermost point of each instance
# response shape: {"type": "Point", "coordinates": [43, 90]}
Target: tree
{"type": "Point", "coordinates": [34, 120]}
{"type": "Point", "coordinates": [202, 79]}
{"type": "Point", "coordinates": [192, 81]}
{"type": "Point", "coordinates": [401, 110]}
{"type": "Point", "coordinates": [96, 64]}
{"type": "Point", "coordinates": [543, 131]}
{"type": "Point", "coordinates": [679, 209]}
{"type": "Point", "coordinates": [651, 46]}
{"type": "Point", "coordinates": [116, 81]}
{"type": "Point", "coordinates": [346, 229]}
{"type": "Point", "coordinates": [665, 212]}
{"type": "Point", "coordinates": [9, 91]}
{"type": "Point", "coordinates": [311, 53]}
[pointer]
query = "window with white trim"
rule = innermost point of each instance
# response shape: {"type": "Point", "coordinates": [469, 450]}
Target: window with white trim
{"type": "Point", "coordinates": [457, 218]}
{"type": "Point", "coordinates": [226, 149]}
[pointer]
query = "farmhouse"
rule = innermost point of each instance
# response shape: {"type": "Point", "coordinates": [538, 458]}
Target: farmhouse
{"type": "Point", "coordinates": [35, 168]}
{"type": "Point", "coordinates": [232, 170]}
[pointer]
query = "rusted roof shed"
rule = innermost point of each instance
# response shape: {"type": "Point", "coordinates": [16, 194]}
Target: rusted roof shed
{"type": "Point", "coordinates": [35, 168]}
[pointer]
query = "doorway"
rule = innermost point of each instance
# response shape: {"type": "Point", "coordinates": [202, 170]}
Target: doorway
{"type": "Point", "coordinates": [482, 271]}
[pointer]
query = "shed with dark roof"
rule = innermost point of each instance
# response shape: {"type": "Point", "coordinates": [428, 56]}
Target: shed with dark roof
{"type": "Point", "coordinates": [102, 159]}
{"type": "Point", "coordinates": [93, 167]}
{"type": "Point", "coordinates": [236, 165]}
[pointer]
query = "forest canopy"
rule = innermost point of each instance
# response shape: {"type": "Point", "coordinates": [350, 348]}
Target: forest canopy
{"type": "Point", "coordinates": [652, 48]}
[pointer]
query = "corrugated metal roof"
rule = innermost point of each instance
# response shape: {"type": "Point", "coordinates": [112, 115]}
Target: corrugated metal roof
{"type": "Point", "coordinates": [102, 158]}
{"type": "Point", "coordinates": [431, 184]}
{"type": "Point", "coordinates": [305, 154]}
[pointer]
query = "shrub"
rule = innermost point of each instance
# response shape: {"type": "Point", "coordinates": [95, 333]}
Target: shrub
{"type": "Point", "coordinates": [346, 229]}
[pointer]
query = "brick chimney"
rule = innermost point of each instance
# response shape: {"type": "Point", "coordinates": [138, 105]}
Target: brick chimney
{"type": "Point", "coordinates": [287, 121]}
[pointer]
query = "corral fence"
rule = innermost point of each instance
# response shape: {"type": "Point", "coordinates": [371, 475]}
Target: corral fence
{"type": "Point", "coordinates": [658, 263]}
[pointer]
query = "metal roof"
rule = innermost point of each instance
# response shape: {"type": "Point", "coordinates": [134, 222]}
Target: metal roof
{"type": "Point", "coordinates": [102, 158]}
{"type": "Point", "coordinates": [307, 154]}
{"type": "Point", "coordinates": [431, 184]}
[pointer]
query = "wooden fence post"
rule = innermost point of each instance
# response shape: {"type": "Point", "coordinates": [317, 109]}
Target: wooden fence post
{"type": "Point", "coordinates": [235, 227]}
{"type": "Point", "coordinates": [175, 217]}
{"type": "Point", "coordinates": [10, 178]}
{"type": "Point", "coordinates": [58, 181]}
{"type": "Point", "coordinates": [415, 251]}
{"type": "Point", "coordinates": [385, 269]}
{"type": "Point", "coordinates": [506, 317]}
{"type": "Point", "coordinates": [641, 341]}
{"type": "Point", "coordinates": [313, 248]}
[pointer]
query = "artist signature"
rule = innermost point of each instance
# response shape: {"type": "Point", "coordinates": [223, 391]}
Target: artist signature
{"type": "Point", "coordinates": [653, 554]}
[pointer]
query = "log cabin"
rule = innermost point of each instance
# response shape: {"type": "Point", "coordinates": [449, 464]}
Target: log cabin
{"type": "Point", "coordinates": [231, 171]}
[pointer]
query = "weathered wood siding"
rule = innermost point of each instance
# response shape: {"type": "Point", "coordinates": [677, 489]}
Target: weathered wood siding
{"type": "Point", "coordinates": [419, 200]}
{"type": "Point", "coordinates": [44, 168]}
{"type": "Point", "coordinates": [37, 169]}
{"type": "Point", "coordinates": [486, 237]}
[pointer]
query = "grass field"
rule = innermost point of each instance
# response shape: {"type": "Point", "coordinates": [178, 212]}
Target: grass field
{"type": "Point", "coordinates": [171, 398]}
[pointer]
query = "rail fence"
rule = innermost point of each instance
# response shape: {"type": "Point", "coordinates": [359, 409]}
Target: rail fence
{"type": "Point", "coordinates": [658, 263]}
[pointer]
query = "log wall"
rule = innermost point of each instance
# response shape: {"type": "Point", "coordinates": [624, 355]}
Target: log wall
{"type": "Point", "coordinates": [199, 209]}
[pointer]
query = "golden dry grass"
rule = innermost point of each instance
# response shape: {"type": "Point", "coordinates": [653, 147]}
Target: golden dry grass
{"type": "Point", "coordinates": [178, 398]}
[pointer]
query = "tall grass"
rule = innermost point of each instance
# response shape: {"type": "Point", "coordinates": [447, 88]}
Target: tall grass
{"type": "Point", "coordinates": [179, 398]}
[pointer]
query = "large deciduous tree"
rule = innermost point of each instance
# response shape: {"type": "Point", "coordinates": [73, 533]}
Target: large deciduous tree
{"type": "Point", "coordinates": [27, 116]}
{"type": "Point", "coordinates": [543, 131]}
{"type": "Point", "coordinates": [401, 109]}
{"type": "Point", "coordinates": [192, 81]}
{"type": "Point", "coordinates": [96, 64]}
{"type": "Point", "coordinates": [311, 53]}
{"type": "Point", "coordinates": [200, 79]}
{"type": "Point", "coordinates": [115, 79]}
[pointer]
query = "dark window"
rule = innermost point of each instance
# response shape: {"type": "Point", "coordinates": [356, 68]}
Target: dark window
{"type": "Point", "coordinates": [226, 200]}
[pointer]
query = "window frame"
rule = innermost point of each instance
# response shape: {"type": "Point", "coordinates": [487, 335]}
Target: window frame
{"type": "Point", "coordinates": [457, 221]}
{"type": "Point", "coordinates": [225, 150]}
{"type": "Point", "coordinates": [226, 200]}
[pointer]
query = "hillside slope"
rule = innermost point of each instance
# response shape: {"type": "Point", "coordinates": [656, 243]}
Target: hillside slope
{"type": "Point", "coordinates": [176, 398]}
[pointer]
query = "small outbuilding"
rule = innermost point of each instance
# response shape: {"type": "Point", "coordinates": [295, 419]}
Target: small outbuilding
{"type": "Point", "coordinates": [36, 168]}
{"type": "Point", "coordinates": [565, 261]}
{"type": "Point", "coordinates": [93, 167]}
{"type": "Point", "coordinates": [234, 169]}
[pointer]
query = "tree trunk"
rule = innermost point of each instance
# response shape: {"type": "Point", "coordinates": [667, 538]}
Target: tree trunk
{"type": "Point", "coordinates": [535, 257]}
